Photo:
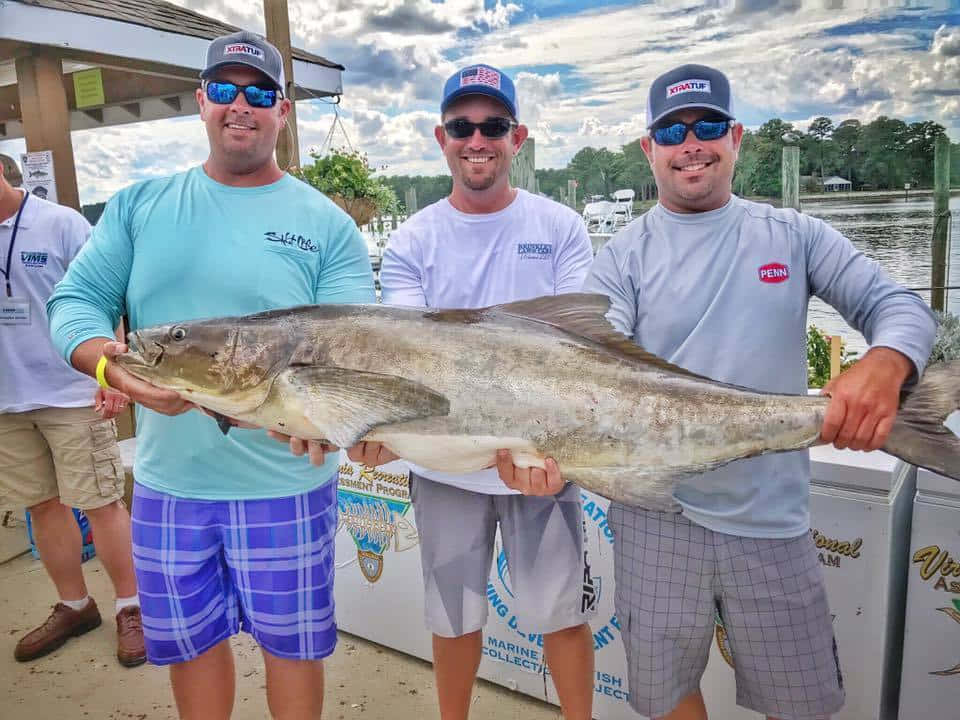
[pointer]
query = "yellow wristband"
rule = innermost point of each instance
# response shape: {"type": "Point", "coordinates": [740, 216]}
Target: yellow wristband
{"type": "Point", "coordinates": [101, 374]}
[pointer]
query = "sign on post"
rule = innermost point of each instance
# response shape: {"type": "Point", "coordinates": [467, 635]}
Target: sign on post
{"type": "Point", "coordinates": [38, 175]}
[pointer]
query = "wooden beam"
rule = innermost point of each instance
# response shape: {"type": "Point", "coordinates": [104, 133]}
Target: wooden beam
{"type": "Point", "coordinates": [9, 103]}
{"type": "Point", "coordinates": [173, 102]}
{"type": "Point", "coordinates": [95, 114]}
{"type": "Point", "coordinates": [277, 20]}
{"type": "Point", "coordinates": [46, 119]}
{"type": "Point", "coordinates": [120, 87]}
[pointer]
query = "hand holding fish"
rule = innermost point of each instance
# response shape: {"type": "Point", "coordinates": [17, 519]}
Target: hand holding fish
{"type": "Point", "coordinates": [316, 450]}
{"type": "Point", "coordinates": [864, 400]}
{"type": "Point", "coordinates": [532, 480]}
{"type": "Point", "coordinates": [371, 454]}
{"type": "Point", "coordinates": [167, 402]}
{"type": "Point", "coordinates": [108, 403]}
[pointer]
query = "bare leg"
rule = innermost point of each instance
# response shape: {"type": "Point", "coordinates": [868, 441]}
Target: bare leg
{"type": "Point", "coordinates": [690, 708]}
{"type": "Point", "coordinates": [294, 688]}
{"type": "Point", "coordinates": [455, 664]}
{"type": "Point", "coordinates": [204, 687]}
{"type": "Point", "coordinates": [111, 534]}
{"type": "Point", "coordinates": [569, 656]}
{"type": "Point", "coordinates": [58, 540]}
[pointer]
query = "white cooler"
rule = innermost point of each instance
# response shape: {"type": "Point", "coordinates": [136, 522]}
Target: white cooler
{"type": "Point", "coordinates": [930, 685]}
{"type": "Point", "coordinates": [855, 500]}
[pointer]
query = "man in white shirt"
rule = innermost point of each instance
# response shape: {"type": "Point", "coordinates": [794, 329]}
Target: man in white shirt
{"type": "Point", "coordinates": [490, 243]}
{"type": "Point", "coordinates": [56, 453]}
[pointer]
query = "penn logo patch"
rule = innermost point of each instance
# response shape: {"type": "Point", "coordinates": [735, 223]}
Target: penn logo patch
{"type": "Point", "coordinates": [685, 86]}
{"type": "Point", "coordinates": [774, 273]}
{"type": "Point", "coordinates": [243, 49]}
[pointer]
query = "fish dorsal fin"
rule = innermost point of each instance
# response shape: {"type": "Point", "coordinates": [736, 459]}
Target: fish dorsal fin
{"type": "Point", "coordinates": [582, 314]}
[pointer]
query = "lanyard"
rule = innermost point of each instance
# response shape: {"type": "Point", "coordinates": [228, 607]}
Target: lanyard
{"type": "Point", "coordinates": [13, 238]}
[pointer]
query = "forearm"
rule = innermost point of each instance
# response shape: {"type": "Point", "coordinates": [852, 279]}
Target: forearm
{"type": "Point", "coordinates": [898, 365]}
{"type": "Point", "coordinates": [87, 354]}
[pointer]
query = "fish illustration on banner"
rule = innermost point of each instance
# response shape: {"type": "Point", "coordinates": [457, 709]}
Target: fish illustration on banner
{"type": "Point", "coordinates": [372, 504]}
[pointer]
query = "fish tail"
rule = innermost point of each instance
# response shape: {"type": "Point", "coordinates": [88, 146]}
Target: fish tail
{"type": "Point", "coordinates": [926, 432]}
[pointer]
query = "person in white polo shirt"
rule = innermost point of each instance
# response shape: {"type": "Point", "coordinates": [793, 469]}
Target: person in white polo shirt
{"type": "Point", "coordinates": [56, 452]}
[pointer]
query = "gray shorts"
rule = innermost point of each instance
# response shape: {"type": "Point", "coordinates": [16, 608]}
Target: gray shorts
{"type": "Point", "coordinates": [673, 577]}
{"type": "Point", "coordinates": [543, 543]}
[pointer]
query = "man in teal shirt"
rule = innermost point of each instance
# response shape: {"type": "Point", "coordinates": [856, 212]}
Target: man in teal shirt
{"type": "Point", "coordinates": [230, 532]}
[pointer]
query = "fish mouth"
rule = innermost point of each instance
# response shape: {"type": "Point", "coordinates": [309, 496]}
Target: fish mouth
{"type": "Point", "coordinates": [141, 353]}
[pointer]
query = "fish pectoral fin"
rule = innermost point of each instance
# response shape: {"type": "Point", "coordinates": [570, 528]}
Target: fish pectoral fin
{"type": "Point", "coordinates": [347, 404]}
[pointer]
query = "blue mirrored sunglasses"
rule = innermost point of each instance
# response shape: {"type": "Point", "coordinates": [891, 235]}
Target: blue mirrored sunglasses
{"type": "Point", "coordinates": [224, 93]}
{"type": "Point", "coordinates": [676, 133]}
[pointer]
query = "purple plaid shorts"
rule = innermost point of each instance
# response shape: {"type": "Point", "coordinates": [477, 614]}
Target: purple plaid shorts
{"type": "Point", "coordinates": [207, 569]}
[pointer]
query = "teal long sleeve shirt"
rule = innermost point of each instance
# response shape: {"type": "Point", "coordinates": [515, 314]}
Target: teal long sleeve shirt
{"type": "Point", "coordinates": [186, 247]}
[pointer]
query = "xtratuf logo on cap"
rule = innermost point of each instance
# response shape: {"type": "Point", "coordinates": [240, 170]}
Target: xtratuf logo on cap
{"type": "Point", "coordinates": [685, 86]}
{"type": "Point", "coordinates": [480, 76]}
{"type": "Point", "coordinates": [243, 49]}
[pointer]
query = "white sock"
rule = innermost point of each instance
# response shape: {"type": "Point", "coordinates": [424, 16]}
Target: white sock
{"type": "Point", "coordinates": [77, 604]}
{"type": "Point", "coordinates": [132, 601]}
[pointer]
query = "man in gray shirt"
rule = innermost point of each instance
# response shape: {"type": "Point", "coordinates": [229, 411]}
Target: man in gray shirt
{"type": "Point", "coordinates": [720, 286]}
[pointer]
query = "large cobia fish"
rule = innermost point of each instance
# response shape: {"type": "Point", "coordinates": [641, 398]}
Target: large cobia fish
{"type": "Point", "coordinates": [548, 377]}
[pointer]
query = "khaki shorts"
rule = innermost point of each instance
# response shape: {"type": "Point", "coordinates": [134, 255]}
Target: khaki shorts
{"type": "Point", "coordinates": [65, 452]}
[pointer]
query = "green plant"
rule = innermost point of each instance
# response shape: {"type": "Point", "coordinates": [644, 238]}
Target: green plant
{"type": "Point", "coordinates": [818, 357]}
{"type": "Point", "coordinates": [349, 175]}
{"type": "Point", "coordinates": [947, 344]}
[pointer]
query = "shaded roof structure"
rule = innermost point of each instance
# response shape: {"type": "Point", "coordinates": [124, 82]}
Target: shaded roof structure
{"type": "Point", "coordinates": [149, 54]}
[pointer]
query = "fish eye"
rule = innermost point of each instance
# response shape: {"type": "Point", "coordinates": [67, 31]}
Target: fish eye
{"type": "Point", "coordinates": [178, 333]}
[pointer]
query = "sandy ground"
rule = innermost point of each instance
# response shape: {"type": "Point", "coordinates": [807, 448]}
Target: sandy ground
{"type": "Point", "coordinates": [83, 680]}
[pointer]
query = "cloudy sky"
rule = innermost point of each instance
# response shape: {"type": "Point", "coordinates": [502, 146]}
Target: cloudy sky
{"type": "Point", "coordinates": [582, 69]}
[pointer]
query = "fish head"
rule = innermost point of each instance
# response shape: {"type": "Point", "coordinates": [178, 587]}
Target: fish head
{"type": "Point", "coordinates": [225, 364]}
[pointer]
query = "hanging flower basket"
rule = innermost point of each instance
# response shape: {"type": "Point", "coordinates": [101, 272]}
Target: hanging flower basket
{"type": "Point", "coordinates": [347, 179]}
{"type": "Point", "coordinates": [360, 209]}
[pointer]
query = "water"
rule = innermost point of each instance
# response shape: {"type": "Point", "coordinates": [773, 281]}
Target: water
{"type": "Point", "coordinates": [896, 233]}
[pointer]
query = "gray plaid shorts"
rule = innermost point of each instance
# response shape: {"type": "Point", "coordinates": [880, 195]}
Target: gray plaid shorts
{"type": "Point", "coordinates": [673, 577]}
{"type": "Point", "coordinates": [543, 547]}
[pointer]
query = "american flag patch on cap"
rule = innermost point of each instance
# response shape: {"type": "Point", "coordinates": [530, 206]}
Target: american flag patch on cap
{"type": "Point", "coordinates": [480, 76]}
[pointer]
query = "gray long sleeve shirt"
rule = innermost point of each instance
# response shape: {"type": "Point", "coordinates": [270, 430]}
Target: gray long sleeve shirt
{"type": "Point", "coordinates": [724, 294]}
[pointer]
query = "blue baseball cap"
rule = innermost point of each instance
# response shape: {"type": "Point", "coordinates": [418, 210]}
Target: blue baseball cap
{"type": "Point", "coordinates": [480, 80]}
{"type": "Point", "coordinates": [689, 86]}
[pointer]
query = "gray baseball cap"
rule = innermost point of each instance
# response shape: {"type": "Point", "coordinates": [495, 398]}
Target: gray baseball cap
{"type": "Point", "coordinates": [245, 48]}
{"type": "Point", "coordinates": [689, 86]}
{"type": "Point", "coordinates": [10, 170]}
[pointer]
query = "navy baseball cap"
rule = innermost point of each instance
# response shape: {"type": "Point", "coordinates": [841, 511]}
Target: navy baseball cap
{"type": "Point", "coordinates": [689, 86]}
{"type": "Point", "coordinates": [480, 80]}
{"type": "Point", "coordinates": [245, 48]}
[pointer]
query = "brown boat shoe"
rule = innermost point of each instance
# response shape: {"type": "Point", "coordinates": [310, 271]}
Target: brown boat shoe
{"type": "Point", "coordinates": [130, 649]}
{"type": "Point", "coordinates": [63, 624]}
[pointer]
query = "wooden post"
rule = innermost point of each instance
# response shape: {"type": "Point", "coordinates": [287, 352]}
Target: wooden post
{"type": "Point", "coordinates": [410, 200]}
{"type": "Point", "coordinates": [278, 33]}
{"type": "Point", "coordinates": [46, 119]}
{"type": "Point", "coordinates": [523, 167]}
{"type": "Point", "coordinates": [790, 177]}
{"type": "Point", "coordinates": [941, 217]}
{"type": "Point", "coordinates": [572, 193]}
{"type": "Point", "coordinates": [835, 359]}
